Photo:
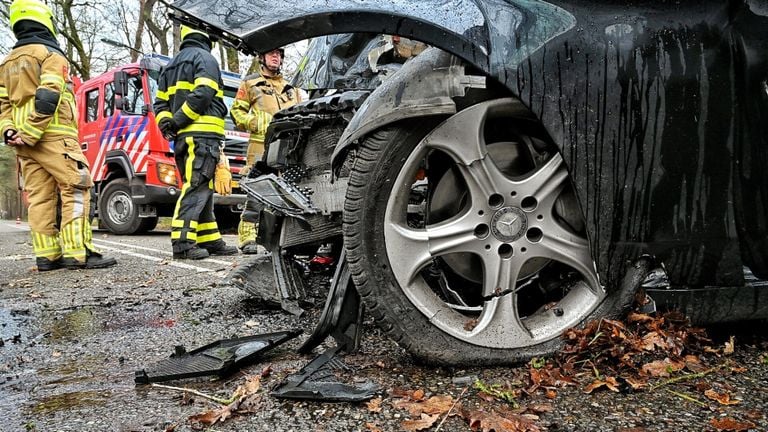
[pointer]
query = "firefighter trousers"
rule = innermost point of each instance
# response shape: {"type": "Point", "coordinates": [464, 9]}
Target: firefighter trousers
{"type": "Point", "coordinates": [247, 231]}
{"type": "Point", "coordinates": [56, 169]}
{"type": "Point", "coordinates": [193, 221]}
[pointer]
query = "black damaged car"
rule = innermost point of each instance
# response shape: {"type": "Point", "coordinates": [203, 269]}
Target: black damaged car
{"type": "Point", "coordinates": [532, 169]}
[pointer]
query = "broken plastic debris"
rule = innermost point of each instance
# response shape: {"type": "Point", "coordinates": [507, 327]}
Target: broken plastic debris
{"type": "Point", "coordinates": [217, 358]}
{"type": "Point", "coordinates": [316, 381]}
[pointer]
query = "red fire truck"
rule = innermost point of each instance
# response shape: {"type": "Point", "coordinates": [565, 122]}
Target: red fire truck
{"type": "Point", "coordinates": [135, 176]}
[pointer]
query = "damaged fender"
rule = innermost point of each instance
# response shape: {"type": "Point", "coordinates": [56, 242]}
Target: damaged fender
{"type": "Point", "coordinates": [659, 109]}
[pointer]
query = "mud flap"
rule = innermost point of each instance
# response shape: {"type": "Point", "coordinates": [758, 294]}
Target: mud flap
{"type": "Point", "coordinates": [218, 358]}
{"type": "Point", "coordinates": [316, 381]}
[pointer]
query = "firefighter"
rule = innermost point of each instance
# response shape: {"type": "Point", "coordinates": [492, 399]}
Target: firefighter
{"type": "Point", "coordinates": [38, 119]}
{"type": "Point", "coordinates": [190, 110]}
{"type": "Point", "coordinates": [259, 97]}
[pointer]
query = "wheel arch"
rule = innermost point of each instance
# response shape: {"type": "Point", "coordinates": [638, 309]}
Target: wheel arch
{"type": "Point", "coordinates": [116, 162]}
{"type": "Point", "coordinates": [427, 85]}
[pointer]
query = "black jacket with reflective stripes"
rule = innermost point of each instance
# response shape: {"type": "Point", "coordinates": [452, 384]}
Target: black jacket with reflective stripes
{"type": "Point", "coordinates": [191, 92]}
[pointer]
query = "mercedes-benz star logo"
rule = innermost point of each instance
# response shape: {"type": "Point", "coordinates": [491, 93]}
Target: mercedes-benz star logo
{"type": "Point", "coordinates": [508, 224]}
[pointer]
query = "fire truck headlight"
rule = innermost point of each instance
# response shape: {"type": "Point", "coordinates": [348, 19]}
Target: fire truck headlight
{"type": "Point", "coordinates": [167, 173]}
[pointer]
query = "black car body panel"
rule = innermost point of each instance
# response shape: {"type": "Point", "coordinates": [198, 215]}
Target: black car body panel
{"type": "Point", "coordinates": [660, 108]}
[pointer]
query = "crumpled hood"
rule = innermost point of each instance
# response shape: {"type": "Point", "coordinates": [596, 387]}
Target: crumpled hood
{"type": "Point", "coordinates": [476, 30]}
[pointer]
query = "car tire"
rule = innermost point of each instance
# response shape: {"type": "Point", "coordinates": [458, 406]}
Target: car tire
{"type": "Point", "coordinates": [398, 266]}
{"type": "Point", "coordinates": [117, 211]}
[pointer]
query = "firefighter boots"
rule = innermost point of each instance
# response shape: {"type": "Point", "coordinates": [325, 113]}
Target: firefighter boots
{"type": "Point", "coordinates": [45, 264]}
{"type": "Point", "coordinates": [195, 253]}
{"type": "Point", "coordinates": [219, 247]}
{"type": "Point", "coordinates": [93, 260]}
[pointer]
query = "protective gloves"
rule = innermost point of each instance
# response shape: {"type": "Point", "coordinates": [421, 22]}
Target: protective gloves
{"type": "Point", "coordinates": [222, 178]}
{"type": "Point", "coordinates": [168, 128]}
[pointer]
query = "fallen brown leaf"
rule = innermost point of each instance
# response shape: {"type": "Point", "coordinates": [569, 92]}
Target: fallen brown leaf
{"type": "Point", "coordinates": [374, 405]}
{"type": "Point", "coordinates": [654, 340]}
{"type": "Point", "coordinates": [721, 398]}
{"type": "Point", "coordinates": [635, 383]}
{"type": "Point", "coordinates": [491, 421]}
{"type": "Point", "coordinates": [729, 424]}
{"type": "Point", "coordinates": [244, 398]}
{"type": "Point", "coordinates": [418, 395]}
{"type": "Point", "coordinates": [550, 394]}
{"type": "Point", "coordinates": [662, 368]}
{"type": "Point", "coordinates": [210, 417]}
{"type": "Point", "coordinates": [433, 405]}
{"type": "Point", "coordinates": [401, 393]}
{"type": "Point", "coordinates": [609, 382]}
{"type": "Point", "coordinates": [425, 422]}
{"type": "Point", "coordinates": [372, 427]}
{"type": "Point", "coordinates": [252, 385]}
{"type": "Point", "coordinates": [539, 408]}
{"type": "Point", "coordinates": [729, 346]}
{"type": "Point", "coordinates": [267, 371]}
{"type": "Point", "coordinates": [635, 317]}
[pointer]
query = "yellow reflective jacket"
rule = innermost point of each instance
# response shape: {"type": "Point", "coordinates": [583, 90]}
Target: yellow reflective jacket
{"type": "Point", "coordinates": [258, 98]}
{"type": "Point", "coordinates": [190, 91]}
{"type": "Point", "coordinates": [34, 97]}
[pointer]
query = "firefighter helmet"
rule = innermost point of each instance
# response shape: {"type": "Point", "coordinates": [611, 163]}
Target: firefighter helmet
{"type": "Point", "coordinates": [33, 10]}
{"type": "Point", "coordinates": [187, 31]}
{"type": "Point", "coordinates": [281, 49]}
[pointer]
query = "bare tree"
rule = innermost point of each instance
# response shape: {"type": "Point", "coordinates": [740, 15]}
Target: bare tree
{"type": "Point", "coordinates": [155, 17]}
{"type": "Point", "coordinates": [79, 28]}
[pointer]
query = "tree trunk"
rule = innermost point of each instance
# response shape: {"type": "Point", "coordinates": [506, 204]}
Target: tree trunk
{"type": "Point", "coordinates": [233, 62]}
{"type": "Point", "coordinates": [145, 10]}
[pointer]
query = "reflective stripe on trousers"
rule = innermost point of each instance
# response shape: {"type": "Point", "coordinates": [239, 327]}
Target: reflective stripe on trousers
{"type": "Point", "coordinates": [193, 220]}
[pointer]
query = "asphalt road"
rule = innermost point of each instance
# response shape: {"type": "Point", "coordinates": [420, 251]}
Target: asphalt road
{"type": "Point", "coordinates": [72, 341]}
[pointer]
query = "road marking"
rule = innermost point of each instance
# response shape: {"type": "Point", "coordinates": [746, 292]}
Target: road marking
{"type": "Point", "coordinates": [17, 257]}
{"type": "Point", "coordinates": [160, 251]}
{"type": "Point", "coordinates": [156, 259]}
{"type": "Point", "coordinates": [18, 227]}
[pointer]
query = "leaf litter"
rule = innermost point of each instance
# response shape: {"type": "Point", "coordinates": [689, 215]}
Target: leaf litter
{"type": "Point", "coordinates": [640, 353]}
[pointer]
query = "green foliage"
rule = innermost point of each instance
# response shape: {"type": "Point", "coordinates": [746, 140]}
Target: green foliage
{"type": "Point", "coordinates": [498, 391]}
{"type": "Point", "coordinates": [538, 362]}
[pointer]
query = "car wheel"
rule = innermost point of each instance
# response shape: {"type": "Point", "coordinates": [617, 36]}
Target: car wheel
{"type": "Point", "coordinates": [117, 209]}
{"type": "Point", "coordinates": [466, 241]}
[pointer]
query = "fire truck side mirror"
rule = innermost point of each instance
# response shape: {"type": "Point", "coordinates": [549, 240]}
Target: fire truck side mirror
{"type": "Point", "coordinates": [121, 83]}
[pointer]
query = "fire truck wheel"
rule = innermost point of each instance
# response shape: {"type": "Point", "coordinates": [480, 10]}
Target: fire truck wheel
{"type": "Point", "coordinates": [117, 209]}
{"type": "Point", "coordinates": [147, 224]}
